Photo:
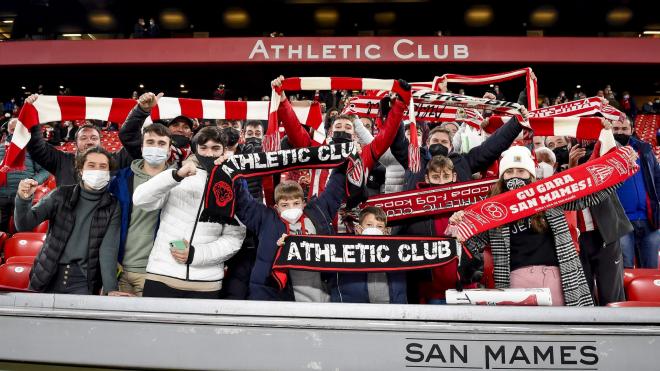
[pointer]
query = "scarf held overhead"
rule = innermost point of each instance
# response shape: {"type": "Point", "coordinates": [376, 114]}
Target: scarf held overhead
{"type": "Point", "coordinates": [219, 197]}
{"type": "Point", "coordinates": [342, 253]}
{"type": "Point", "coordinates": [431, 201]}
{"type": "Point", "coordinates": [559, 189]}
{"type": "Point", "coordinates": [272, 139]}
{"type": "Point", "coordinates": [70, 108]}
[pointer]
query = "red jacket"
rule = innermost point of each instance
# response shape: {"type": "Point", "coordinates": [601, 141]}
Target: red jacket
{"type": "Point", "coordinates": [298, 137]}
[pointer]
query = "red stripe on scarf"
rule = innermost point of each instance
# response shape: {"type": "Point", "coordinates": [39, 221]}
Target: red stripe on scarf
{"type": "Point", "coordinates": [191, 107]}
{"type": "Point", "coordinates": [345, 83]}
{"type": "Point", "coordinates": [72, 108]}
{"type": "Point", "coordinates": [155, 113]}
{"type": "Point", "coordinates": [236, 110]}
{"type": "Point", "coordinates": [120, 109]}
{"type": "Point", "coordinates": [291, 83]}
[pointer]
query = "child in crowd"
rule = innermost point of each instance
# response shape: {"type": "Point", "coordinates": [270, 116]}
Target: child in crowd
{"type": "Point", "coordinates": [429, 286]}
{"type": "Point", "coordinates": [374, 287]}
{"type": "Point", "coordinates": [290, 215]}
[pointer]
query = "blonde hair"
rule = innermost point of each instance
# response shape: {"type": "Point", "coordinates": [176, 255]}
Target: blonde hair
{"type": "Point", "coordinates": [288, 190]}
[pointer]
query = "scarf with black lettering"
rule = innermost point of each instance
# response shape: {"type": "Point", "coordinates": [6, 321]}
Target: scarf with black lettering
{"type": "Point", "coordinates": [219, 193]}
{"type": "Point", "coordinates": [442, 199]}
{"type": "Point", "coordinates": [346, 253]}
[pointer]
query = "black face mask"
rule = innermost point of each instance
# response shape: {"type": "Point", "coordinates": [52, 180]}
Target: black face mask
{"type": "Point", "coordinates": [623, 139]}
{"type": "Point", "coordinates": [206, 162]}
{"type": "Point", "coordinates": [515, 183]}
{"type": "Point", "coordinates": [252, 145]}
{"type": "Point", "coordinates": [180, 141]}
{"type": "Point", "coordinates": [341, 137]}
{"type": "Point", "coordinates": [438, 150]}
{"type": "Point", "coordinates": [233, 135]}
{"type": "Point", "coordinates": [561, 153]}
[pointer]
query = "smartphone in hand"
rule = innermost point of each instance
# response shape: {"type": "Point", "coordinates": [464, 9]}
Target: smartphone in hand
{"type": "Point", "coordinates": [178, 245]}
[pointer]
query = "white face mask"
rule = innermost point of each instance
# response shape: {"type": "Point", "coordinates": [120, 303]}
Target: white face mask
{"type": "Point", "coordinates": [96, 179]}
{"type": "Point", "coordinates": [372, 231]}
{"type": "Point", "coordinates": [155, 156]}
{"type": "Point", "coordinates": [544, 170]}
{"type": "Point", "coordinates": [291, 215]}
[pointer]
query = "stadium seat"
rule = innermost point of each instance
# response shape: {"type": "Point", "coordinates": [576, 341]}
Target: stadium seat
{"type": "Point", "coordinates": [15, 276]}
{"type": "Point", "coordinates": [40, 193]}
{"type": "Point", "coordinates": [632, 304]}
{"type": "Point", "coordinates": [24, 244]}
{"type": "Point", "coordinates": [644, 289]}
{"type": "Point", "coordinates": [21, 260]}
{"type": "Point", "coordinates": [51, 182]}
{"type": "Point", "coordinates": [631, 274]}
{"type": "Point", "coordinates": [41, 228]}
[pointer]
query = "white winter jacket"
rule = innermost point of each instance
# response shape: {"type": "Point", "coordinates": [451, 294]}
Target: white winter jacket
{"type": "Point", "coordinates": [395, 174]}
{"type": "Point", "coordinates": [179, 203]}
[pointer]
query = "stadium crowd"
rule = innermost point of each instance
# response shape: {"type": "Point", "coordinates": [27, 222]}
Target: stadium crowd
{"type": "Point", "coordinates": [125, 221]}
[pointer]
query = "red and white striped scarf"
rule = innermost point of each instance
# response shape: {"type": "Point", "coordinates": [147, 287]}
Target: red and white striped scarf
{"type": "Point", "coordinates": [49, 108]}
{"type": "Point", "coordinates": [272, 140]}
{"type": "Point", "coordinates": [440, 82]}
{"type": "Point", "coordinates": [368, 106]}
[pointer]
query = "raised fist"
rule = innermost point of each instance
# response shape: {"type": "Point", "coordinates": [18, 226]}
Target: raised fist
{"type": "Point", "coordinates": [188, 169]}
{"type": "Point", "coordinates": [147, 101]}
{"type": "Point", "coordinates": [26, 188]}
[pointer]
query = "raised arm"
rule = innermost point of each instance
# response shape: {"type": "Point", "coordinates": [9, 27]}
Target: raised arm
{"type": "Point", "coordinates": [248, 210]}
{"type": "Point", "coordinates": [382, 142]}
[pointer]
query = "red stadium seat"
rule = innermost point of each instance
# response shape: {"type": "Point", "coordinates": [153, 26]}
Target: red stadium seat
{"type": "Point", "coordinates": [21, 260]}
{"type": "Point", "coordinates": [15, 276]}
{"type": "Point", "coordinates": [632, 304]}
{"type": "Point", "coordinates": [644, 289]}
{"type": "Point", "coordinates": [51, 182]}
{"type": "Point", "coordinates": [40, 193]}
{"type": "Point", "coordinates": [41, 228]}
{"type": "Point", "coordinates": [631, 274]}
{"type": "Point", "coordinates": [24, 244]}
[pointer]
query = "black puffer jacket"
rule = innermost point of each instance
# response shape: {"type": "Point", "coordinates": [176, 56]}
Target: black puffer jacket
{"type": "Point", "coordinates": [62, 221]}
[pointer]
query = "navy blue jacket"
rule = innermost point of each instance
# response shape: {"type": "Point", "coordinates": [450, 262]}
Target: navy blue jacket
{"type": "Point", "coordinates": [650, 169]}
{"type": "Point", "coordinates": [352, 287]}
{"type": "Point", "coordinates": [269, 227]}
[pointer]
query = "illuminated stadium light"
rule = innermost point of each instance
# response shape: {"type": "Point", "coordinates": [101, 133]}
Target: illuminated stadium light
{"type": "Point", "coordinates": [619, 16]}
{"type": "Point", "coordinates": [326, 17]}
{"type": "Point", "coordinates": [479, 16]}
{"type": "Point", "coordinates": [385, 18]}
{"type": "Point", "coordinates": [544, 16]}
{"type": "Point", "coordinates": [182, 86]}
{"type": "Point", "coordinates": [72, 35]}
{"type": "Point", "coordinates": [8, 21]}
{"type": "Point", "coordinates": [141, 86]}
{"type": "Point", "coordinates": [101, 19]}
{"type": "Point", "coordinates": [173, 19]}
{"type": "Point", "coordinates": [651, 32]}
{"type": "Point", "coordinates": [236, 18]}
